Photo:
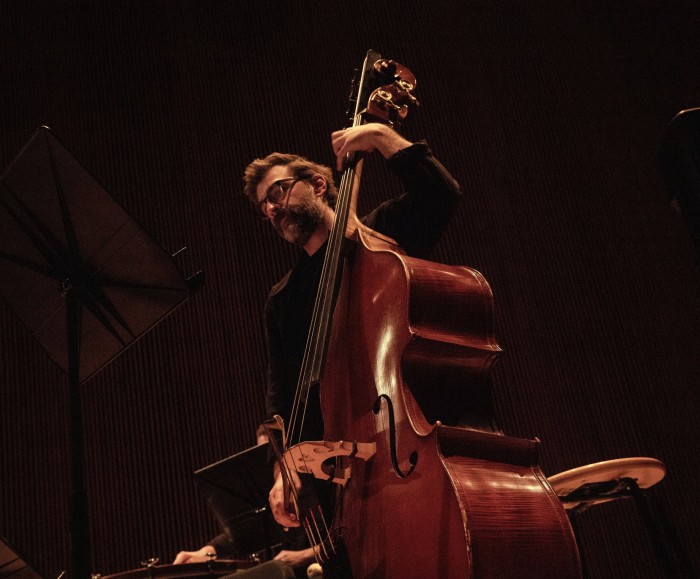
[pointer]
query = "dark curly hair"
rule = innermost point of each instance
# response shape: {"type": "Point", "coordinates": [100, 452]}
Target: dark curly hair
{"type": "Point", "coordinates": [301, 168]}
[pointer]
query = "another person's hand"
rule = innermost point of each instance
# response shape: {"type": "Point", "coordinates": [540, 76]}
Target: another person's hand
{"type": "Point", "coordinates": [296, 558]}
{"type": "Point", "coordinates": [201, 556]}
{"type": "Point", "coordinates": [366, 138]}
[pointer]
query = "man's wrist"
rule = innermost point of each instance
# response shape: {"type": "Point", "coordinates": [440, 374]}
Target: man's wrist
{"type": "Point", "coordinates": [389, 142]}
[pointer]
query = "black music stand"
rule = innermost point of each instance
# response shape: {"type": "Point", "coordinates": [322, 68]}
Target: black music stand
{"type": "Point", "coordinates": [84, 277]}
{"type": "Point", "coordinates": [236, 490]}
{"type": "Point", "coordinates": [12, 565]}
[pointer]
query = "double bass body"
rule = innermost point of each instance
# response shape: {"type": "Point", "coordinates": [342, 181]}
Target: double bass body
{"type": "Point", "coordinates": [410, 346]}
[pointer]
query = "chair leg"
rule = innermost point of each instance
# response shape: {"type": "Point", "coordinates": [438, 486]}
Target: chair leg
{"type": "Point", "coordinates": [664, 538]}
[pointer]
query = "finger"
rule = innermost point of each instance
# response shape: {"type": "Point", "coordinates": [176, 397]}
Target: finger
{"type": "Point", "coordinates": [337, 136]}
{"type": "Point", "coordinates": [337, 140]}
{"type": "Point", "coordinates": [180, 558]}
{"type": "Point", "coordinates": [340, 152]}
{"type": "Point", "coordinates": [285, 519]}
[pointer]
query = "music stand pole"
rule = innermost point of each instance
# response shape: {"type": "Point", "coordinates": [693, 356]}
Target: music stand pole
{"type": "Point", "coordinates": [79, 523]}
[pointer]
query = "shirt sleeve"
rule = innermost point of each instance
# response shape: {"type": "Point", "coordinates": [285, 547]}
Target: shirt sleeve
{"type": "Point", "coordinates": [223, 545]}
{"type": "Point", "coordinates": [417, 219]}
{"type": "Point", "coordinates": [276, 376]}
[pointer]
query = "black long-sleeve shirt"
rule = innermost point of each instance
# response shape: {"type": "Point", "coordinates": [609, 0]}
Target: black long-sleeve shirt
{"type": "Point", "coordinates": [415, 220]}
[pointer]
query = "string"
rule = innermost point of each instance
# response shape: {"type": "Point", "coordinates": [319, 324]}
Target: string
{"type": "Point", "coordinates": [313, 357]}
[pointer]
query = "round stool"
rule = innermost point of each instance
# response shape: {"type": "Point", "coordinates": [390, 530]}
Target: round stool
{"type": "Point", "coordinates": [585, 486]}
{"type": "Point", "coordinates": [593, 484]}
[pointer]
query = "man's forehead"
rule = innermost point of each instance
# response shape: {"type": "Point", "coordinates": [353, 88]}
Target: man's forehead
{"type": "Point", "coordinates": [278, 172]}
{"type": "Point", "coordinates": [273, 174]}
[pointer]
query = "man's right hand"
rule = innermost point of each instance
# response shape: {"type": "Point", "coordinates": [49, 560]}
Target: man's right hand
{"type": "Point", "coordinates": [366, 138]}
{"type": "Point", "coordinates": [278, 501]}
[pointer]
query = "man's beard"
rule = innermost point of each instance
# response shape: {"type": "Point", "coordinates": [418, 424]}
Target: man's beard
{"type": "Point", "coordinates": [302, 219]}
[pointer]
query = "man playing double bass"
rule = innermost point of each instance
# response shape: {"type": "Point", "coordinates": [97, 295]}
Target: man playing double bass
{"type": "Point", "coordinates": [297, 196]}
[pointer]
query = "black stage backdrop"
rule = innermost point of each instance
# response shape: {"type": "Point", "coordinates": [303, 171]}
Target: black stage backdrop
{"type": "Point", "coordinates": [549, 114]}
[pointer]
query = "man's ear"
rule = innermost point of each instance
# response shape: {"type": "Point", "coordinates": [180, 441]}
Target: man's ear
{"type": "Point", "coordinates": [319, 185]}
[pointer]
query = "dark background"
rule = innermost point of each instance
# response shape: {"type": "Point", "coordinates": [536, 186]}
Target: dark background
{"type": "Point", "coordinates": [549, 114]}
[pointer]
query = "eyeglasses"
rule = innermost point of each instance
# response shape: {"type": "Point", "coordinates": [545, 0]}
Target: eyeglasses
{"type": "Point", "coordinates": [278, 192]}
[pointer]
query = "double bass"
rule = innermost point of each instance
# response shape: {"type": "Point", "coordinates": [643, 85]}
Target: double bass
{"type": "Point", "coordinates": [426, 485]}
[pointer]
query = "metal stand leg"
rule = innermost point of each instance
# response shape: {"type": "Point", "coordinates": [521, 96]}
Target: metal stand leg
{"type": "Point", "coordinates": [664, 539]}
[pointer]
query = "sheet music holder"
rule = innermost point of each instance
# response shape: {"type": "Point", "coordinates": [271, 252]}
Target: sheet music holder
{"type": "Point", "coordinates": [85, 279]}
{"type": "Point", "coordinates": [12, 565]}
{"type": "Point", "coordinates": [236, 490]}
